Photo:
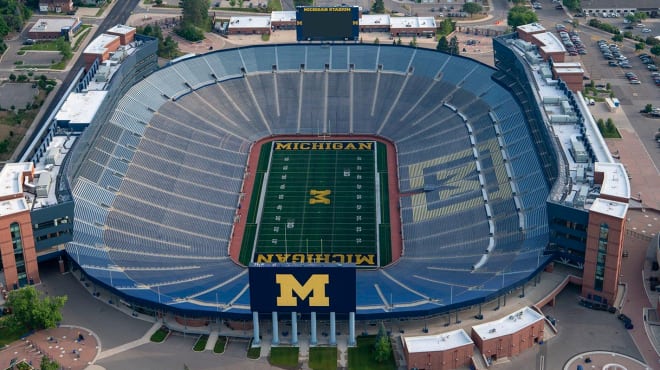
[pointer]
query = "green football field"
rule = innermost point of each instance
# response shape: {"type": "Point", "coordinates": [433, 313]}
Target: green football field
{"type": "Point", "coordinates": [317, 198]}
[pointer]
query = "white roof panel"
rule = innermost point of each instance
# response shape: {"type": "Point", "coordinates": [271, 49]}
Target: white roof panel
{"type": "Point", "coordinates": [99, 44]}
{"type": "Point", "coordinates": [10, 178]}
{"type": "Point", "coordinates": [283, 16]}
{"type": "Point", "coordinates": [121, 29]}
{"type": "Point", "coordinates": [249, 22]}
{"type": "Point", "coordinates": [439, 342]}
{"type": "Point", "coordinates": [531, 27]}
{"type": "Point", "coordinates": [81, 107]}
{"type": "Point", "coordinates": [550, 41]}
{"type": "Point", "coordinates": [609, 207]}
{"type": "Point", "coordinates": [375, 19]}
{"type": "Point", "coordinates": [615, 181]}
{"type": "Point", "coordinates": [508, 324]}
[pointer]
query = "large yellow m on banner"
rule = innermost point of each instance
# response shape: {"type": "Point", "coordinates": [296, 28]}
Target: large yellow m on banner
{"type": "Point", "coordinates": [315, 286]}
{"type": "Point", "coordinates": [319, 196]}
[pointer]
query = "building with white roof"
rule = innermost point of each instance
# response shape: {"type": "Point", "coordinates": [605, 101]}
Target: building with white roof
{"type": "Point", "coordinates": [283, 20]}
{"type": "Point", "coordinates": [589, 198]}
{"type": "Point", "coordinates": [249, 25]}
{"type": "Point", "coordinates": [451, 350]}
{"type": "Point", "coordinates": [53, 28]}
{"type": "Point", "coordinates": [412, 26]}
{"type": "Point", "coordinates": [510, 335]}
{"type": "Point", "coordinates": [375, 23]}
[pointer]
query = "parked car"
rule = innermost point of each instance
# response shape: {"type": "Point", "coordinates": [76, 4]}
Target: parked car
{"type": "Point", "coordinates": [646, 30]}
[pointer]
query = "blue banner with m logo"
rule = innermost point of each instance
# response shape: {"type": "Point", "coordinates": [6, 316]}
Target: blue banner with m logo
{"type": "Point", "coordinates": [310, 288]}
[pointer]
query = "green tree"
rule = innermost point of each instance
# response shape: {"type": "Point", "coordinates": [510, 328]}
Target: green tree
{"type": "Point", "coordinates": [382, 347]}
{"type": "Point", "coordinates": [519, 15]}
{"type": "Point", "coordinates": [443, 44]}
{"type": "Point", "coordinates": [31, 311]}
{"type": "Point", "coordinates": [655, 50]}
{"type": "Point", "coordinates": [12, 77]}
{"type": "Point", "coordinates": [601, 125]}
{"type": "Point", "coordinates": [196, 12]}
{"type": "Point", "coordinates": [64, 48]}
{"type": "Point", "coordinates": [232, 3]}
{"type": "Point", "coordinates": [472, 8]}
{"type": "Point", "coordinates": [640, 46]}
{"type": "Point", "coordinates": [648, 108]}
{"type": "Point", "coordinates": [446, 27]}
{"type": "Point", "coordinates": [453, 46]}
{"type": "Point", "coordinates": [609, 126]}
{"type": "Point", "coordinates": [572, 4]}
{"type": "Point", "coordinates": [378, 7]}
{"type": "Point", "coordinates": [159, 2]}
{"type": "Point", "coordinates": [617, 38]}
{"type": "Point", "coordinates": [518, 2]}
{"type": "Point", "coordinates": [413, 42]}
{"type": "Point", "coordinates": [48, 364]}
{"type": "Point", "coordinates": [376, 41]}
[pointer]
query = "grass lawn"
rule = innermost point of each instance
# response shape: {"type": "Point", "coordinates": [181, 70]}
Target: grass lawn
{"type": "Point", "coordinates": [9, 335]}
{"type": "Point", "coordinates": [200, 345]}
{"type": "Point", "coordinates": [220, 345]}
{"type": "Point", "coordinates": [160, 335]}
{"type": "Point", "coordinates": [323, 358]}
{"type": "Point", "coordinates": [42, 46]}
{"type": "Point", "coordinates": [284, 356]}
{"type": "Point", "coordinates": [362, 357]}
{"type": "Point", "coordinates": [79, 38]}
{"type": "Point", "coordinates": [254, 352]}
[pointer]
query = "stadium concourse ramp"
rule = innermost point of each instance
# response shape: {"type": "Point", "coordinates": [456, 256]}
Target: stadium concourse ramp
{"type": "Point", "coordinates": [156, 196]}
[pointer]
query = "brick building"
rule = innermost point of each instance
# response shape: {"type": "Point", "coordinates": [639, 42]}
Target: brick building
{"type": "Point", "coordinates": [452, 350]}
{"type": "Point", "coordinates": [510, 335]}
{"type": "Point", "coordinates": [57, 6]}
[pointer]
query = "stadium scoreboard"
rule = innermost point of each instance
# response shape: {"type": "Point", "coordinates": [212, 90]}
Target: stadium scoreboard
{"type": "Point", "coordinates": [319, 288]}
{"type": "Point", "coordinates": [330, 23]}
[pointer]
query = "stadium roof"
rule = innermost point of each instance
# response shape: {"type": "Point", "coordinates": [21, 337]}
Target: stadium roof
{"type": "Point", "coordinates": [508, 324]}
{"type": "Point", "coordinates": [439, 342]}
{"type": "Point", "coordinates": [188, 232]}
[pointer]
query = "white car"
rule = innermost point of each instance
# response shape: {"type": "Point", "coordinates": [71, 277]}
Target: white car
{"type": "Point", "coordinates": [646, 30]}
{"type": "Point", "coordinates": [640, 25]}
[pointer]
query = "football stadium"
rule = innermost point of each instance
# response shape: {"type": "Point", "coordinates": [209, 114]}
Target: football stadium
{"type": "Point", "coordinates": [416, 166]}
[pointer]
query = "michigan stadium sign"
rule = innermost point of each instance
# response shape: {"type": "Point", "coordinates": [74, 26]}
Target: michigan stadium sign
{"type": "Point", "coordinates": [321, 288]}
{"type": "Point", "coordinates": [359, 259]}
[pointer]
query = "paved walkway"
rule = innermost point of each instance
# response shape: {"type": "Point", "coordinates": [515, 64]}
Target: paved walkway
{"type": "Point", "coordinates": [599, 359]}
{"type": "Point", "coordinates": [60, 344]}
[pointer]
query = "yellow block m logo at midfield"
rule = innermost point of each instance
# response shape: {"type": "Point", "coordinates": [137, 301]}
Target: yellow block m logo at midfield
{"type": "Point", "coordinates": [319, 196]}
{"type": "Point", "coordinates": [315, 286]}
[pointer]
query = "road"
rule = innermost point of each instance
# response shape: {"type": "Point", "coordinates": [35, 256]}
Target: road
{"type": "Point", "coordinates": [118, 14]}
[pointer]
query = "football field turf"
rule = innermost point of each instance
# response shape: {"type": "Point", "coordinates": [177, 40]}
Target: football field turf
{"type": "Point", "coordinates": [318, 201]}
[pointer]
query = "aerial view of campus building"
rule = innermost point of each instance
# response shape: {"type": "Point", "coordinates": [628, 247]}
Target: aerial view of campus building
{"type": "Point", "coordinates": [322, 201]}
